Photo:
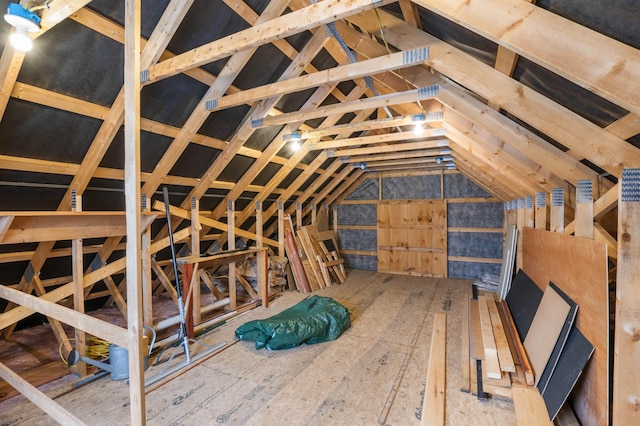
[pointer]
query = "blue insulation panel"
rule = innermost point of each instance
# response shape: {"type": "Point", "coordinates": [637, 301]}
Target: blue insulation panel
{"type": "Point", "coordinates": [475, 244]}
{"type": "Point", "coordinates": [360, 240]}
{"type": "Point", "coordinates": [411, 187]}
{"type": "Point", "coordinates": [471, 269]}
{"type": "Point", "coordinates": [475, 215]}
{"type": "Point", "coordinates": [368, 190]}
{"type": "Point", "coordinates": [357, 214]}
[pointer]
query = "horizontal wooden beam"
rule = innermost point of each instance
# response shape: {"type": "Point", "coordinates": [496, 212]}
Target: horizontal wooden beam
{"type": "Point", "coordinates": [207, 221]}
{"type": "Point", "coordinates": [349, 71]}
{"type": "Point", "coordinates": [16, 314]}
{"type": "Point", "coordinates": [99, 328]}
{"type": "Point", "coordinates": [28, 227]}
{"type": "Point", "coordinates": [408, 146]}
{"type": "Point", "coordinates": [408, 96]}
{"type": "Point", "coordinates": [383, 138]}
{"type": "Point", "coordinates": [260, 34]}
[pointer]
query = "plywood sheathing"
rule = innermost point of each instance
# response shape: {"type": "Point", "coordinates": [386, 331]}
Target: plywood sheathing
{"type": "Point", "coordinates": [374, 372]}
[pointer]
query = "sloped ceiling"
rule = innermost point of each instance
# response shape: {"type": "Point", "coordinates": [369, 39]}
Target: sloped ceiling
{"type": "Point", "coordinates": [531, 97]}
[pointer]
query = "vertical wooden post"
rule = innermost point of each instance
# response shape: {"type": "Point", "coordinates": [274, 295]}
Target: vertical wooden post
{"type": "Point", "coordinates": [626, 361]}
{"type": "Point", "coordinates": [132, 208]}
{"type": "Point", "coordinates": [280, 229]}
{"type": "Point", "coordinates": [335, 220]}
{"type": "Point", "coordinates": [78, 286]}
{"type": "Point", "coordinates": [442, 184]}
{"type": "Point", "coordinates": [195, 250]}
{"type": "Point", "coordinates": [259, 224]}
{"type": "Point", "coordinates": [584, 209]}
{"type": "Point", "coordinates": [313, 214]}
{"type": "Point", "coordinates": [528, 212]}
{"type": "Point", "coordinates": [147, 288]}
{"type": "Point", "coordinates": [541, 210]}
{"type": "Point", "coordinates": [513, 215]}
{"type": "Point", "coordinates": [298, 216]}
{"type": "Point", "coordinates": [231, 232]}
{"type": "Point", "coordinates": [557, 210]}
{"type": "Point", "coordinates": [520, 226]}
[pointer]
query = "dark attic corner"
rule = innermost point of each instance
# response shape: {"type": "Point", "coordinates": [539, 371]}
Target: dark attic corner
{"type": "Point", "coordinates": [319, 212]}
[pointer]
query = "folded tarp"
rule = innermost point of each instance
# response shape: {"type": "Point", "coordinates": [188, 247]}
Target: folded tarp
{"type": "Point", "coordinates": [314, 320]}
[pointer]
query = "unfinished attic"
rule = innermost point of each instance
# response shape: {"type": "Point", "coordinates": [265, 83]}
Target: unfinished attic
{"type": "Point", "coordinates": [184, 182]}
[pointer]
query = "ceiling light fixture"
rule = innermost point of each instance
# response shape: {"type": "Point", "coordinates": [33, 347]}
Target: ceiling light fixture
{"type": "Point", "coordinates": [294, 141]}
{"type": "Point", "coordinates": [419, 120]}
{"type": "Point", "coordinates": [25, 21]}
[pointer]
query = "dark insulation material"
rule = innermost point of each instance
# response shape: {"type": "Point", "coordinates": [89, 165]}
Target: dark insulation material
{"type": "Point", "coordinates": [471, 269]}
{"type": "Point", "coordinates": [476, 215]}
{"type": "Point", "coordinates": [411, 187]}
{"type": "Point", "coordinates": [475, 244]}
{"type": "Point", "coordinates": [367, 190]}
{"type": "Point", "coordinates": [357, 214]}
{"type": "Point", "coordinates": [459, 186]}
{"type": "Point", "coordinates": [368, 263]}
{"type": "Point", "coordinates": [357, 239]}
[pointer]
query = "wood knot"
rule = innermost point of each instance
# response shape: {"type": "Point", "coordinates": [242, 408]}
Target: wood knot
{"type": "Point", "coordinates": [626, 237]}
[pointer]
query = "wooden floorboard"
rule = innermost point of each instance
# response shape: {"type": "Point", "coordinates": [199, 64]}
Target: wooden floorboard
{"type": "Point", "coordinates": [373, 374]}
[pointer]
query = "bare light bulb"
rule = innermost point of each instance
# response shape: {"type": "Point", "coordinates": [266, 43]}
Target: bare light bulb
{"type": "Point", "coordinates": [418, 130]}
{"type": "Point", "coordinates": [21, 41]}
{"type": "Point", "coordinates": [295, 146]}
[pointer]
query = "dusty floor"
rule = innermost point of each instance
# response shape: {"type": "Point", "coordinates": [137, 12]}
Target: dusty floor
{"type": "Point", "coordinates": [373, 374]}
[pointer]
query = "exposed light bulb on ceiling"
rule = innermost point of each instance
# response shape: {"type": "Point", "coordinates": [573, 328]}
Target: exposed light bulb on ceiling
{"type": "Point", "coordinates": [24, 21]}
{"type": "Point", "coordinates": [295, 145]}
{"type": "Point", "coordinates": [21, 41]}
{"type": "Point", "coordinates": [418, 130]}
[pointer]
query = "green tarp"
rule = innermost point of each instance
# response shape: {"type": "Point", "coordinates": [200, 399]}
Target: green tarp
{"type": "Point", "coordinates": [314, 320]}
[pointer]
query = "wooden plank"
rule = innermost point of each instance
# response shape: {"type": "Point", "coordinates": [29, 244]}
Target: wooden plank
{"type": "Point", "coordinates": [349, 71]}
{"type": "Point", "coordinates": [433, 404]}
{"type": "Point", "coordinates": [488, 341]}
{"type": "Point", "coordinates": [626, 382]}
{"type": "Point", "coordinates": [584, 210]}
{"type": "Point", "coordinates": [177, 211]}
{"type": "Point", "coordinates": [465, 335]}
{"type": "Point", "coordinates": [231, 242]}
{"type": "Point", "coordinates": [84, 322]}
{"type": "Point", "coordinates": [38, 398]}
{"type": "Point", "coordinates": [529, 406]}
{"type": "Point", "coordinates": [502, 345]}
{"type": "Point", "coordinates": [515, 24]}
{"type": "Point", "coordinates": [521, 352]}
{"type": "Point", "coordinates": [580, 268]}
{"type": "Point", "coordinates": [259, 34]}
{"type": "Point", "coordinates": [36, 376]}
{"type": "Point", "coordinates": [133, 209]}
{"type": "Point", "coordinates": [477, 349]}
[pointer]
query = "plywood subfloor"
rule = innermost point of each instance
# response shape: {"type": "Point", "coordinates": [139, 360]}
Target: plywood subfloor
{"type": "Point", "coordinates": [373, 374]}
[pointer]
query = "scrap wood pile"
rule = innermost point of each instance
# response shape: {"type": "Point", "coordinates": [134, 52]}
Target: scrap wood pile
{"type": "Point", "coordinates": [524, 348]}
{"type": "Point", "coordinates": [314, 257]}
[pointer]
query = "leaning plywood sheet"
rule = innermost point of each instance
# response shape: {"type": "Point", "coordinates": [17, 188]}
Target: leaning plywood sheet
{"type": "Point", "coordinates": [545, 329]}
{"type": "Point", "coordinates": [508, 261]}
{"type": "Point", "coordinates": [579, 267]}
{"type": "Point", "coordinates": [523, 300]}
{"type": "Point", "coordinates": [558, 348]}
{"type": "Point", "coordinates": [574, 357]}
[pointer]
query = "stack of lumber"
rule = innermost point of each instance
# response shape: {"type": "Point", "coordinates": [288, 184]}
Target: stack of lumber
{"type": "Point", "coordinates": [514, 355]}
{"type": "Point", "coordinates": [314, 256]}
{"type": "Point", "coordinates": [494, 362]}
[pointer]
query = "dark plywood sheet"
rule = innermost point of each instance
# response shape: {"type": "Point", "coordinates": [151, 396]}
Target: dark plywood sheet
{"type": "Point", "coordinates": [545, 377]}
{"type": "Point", "coordinates": [523, 300]}
{"type": "Point", "coordinates": [575, 356]}
{"type": "Point", "coordinates": [579, 267]}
